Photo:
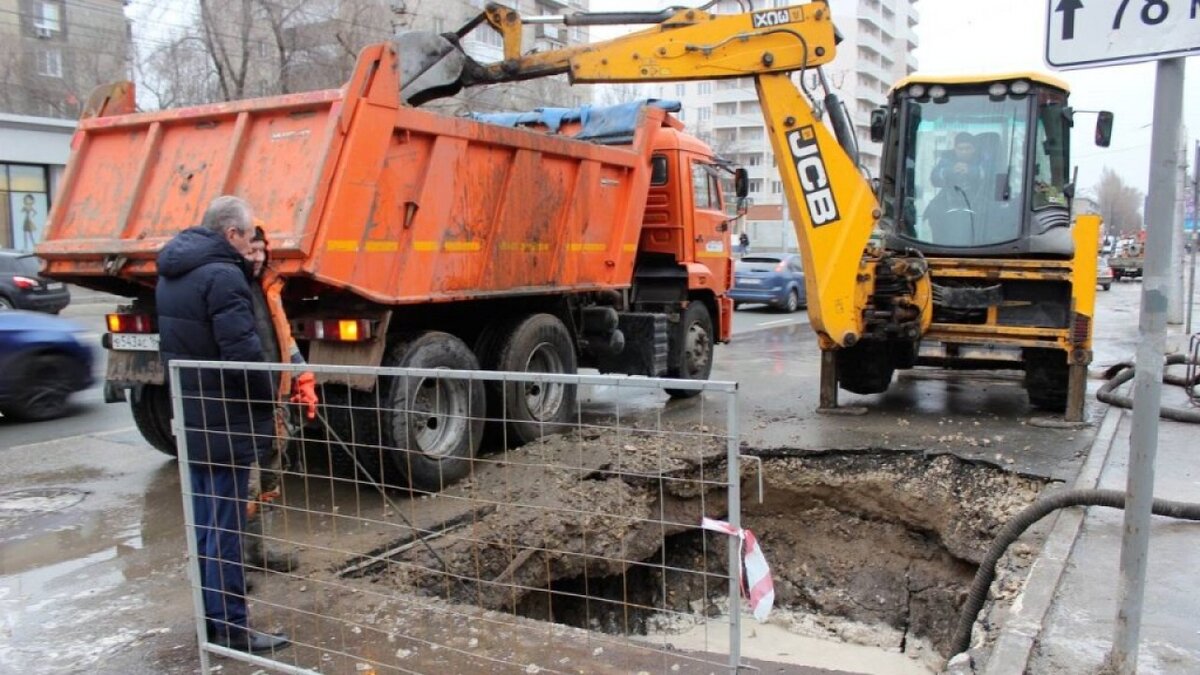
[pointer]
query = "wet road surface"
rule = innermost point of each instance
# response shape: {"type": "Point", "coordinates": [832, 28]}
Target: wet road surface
{"type": "Point", "coordinates": [92, 552]}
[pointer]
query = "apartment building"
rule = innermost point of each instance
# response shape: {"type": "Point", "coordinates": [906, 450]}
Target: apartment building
{"type": "Point", "coordinates": [54, 52]}
{"type": "Point", "coordinates": [879, 38]}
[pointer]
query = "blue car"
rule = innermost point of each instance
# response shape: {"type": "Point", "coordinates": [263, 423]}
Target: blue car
{"type": "Point", "coordinates": [42, 362]}
{"type": "Point", "coordinates": [775, 279]}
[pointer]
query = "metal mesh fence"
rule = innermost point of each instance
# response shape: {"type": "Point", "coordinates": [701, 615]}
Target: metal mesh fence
{"type": "Point", "coordinates": [461, 521]}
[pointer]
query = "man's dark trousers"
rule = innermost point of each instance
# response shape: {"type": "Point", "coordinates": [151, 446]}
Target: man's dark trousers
{"type": "Point", "coordinates": [219, 502]}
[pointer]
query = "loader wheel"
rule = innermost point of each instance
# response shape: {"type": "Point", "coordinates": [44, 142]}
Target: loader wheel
{"type": "Point", "coordinates": [152, 416]}
{"type": "Point", "coordinates": [865, 368]}
{"type": "Point", "coordinates": [1047, 375]}
{"type": "Point", "coordinates": [530, 410]}
{"type": "Point", "coordinates": [432, 426]}
{"type": "Point", "coordinates": [690, 348]}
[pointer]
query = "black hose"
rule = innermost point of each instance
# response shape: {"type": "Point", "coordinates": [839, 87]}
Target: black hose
{"type": "Point", "coordinates": [1124, 372]}
{"type": "Point", "coordinates": [1023, 520]}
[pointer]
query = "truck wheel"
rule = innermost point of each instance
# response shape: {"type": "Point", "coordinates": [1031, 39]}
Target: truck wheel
{"type": "Point", "coordinates": [432, 427]}
{"type": "Point", "coordinates": [865, 368]}
{"type": "Point", "coordinates": [1047, 375]}
{"type": "Point", "coordinates": [537, 344]}
{"type": "Point", "coordinates": [152, 416]}
{"type": "Point", "coordinates": [690, 348]}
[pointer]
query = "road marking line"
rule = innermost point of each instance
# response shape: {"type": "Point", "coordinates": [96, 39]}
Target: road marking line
{"type": "Point", "coordinates": [78, 437]}
{"type": "Point", "coordinates": [775, 323]}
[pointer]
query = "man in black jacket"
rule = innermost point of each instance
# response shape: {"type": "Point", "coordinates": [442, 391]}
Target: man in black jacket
{"type": "Point", "coordinates": [204, 313]}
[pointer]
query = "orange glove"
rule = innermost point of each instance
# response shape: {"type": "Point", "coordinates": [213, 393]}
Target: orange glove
{"type": "Point", "coordinates": [304, 392]}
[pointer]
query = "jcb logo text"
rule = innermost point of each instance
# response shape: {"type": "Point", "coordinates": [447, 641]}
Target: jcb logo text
{"type": "Point", "coordinates": [814, 178]}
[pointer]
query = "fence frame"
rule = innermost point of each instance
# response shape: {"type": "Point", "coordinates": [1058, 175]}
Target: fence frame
{"type": "Point", "coordinates": [729, 390]}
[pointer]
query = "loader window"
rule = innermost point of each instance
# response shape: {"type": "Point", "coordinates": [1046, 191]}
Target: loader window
{"type": "Point", "coordinates": [964, 159]}
{"type": "Point", "coordinates": [1050, 151]}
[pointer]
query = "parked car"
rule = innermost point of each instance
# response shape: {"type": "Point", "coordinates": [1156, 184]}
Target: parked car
{"type": "Point", "coordinates": [776, 279]}
{"type": "Point", "coordinates": [42, 362]}
{"type": "Point", "coordinates": [21, 287]}
{"type": "Point", "coordinates": [1104, 274]}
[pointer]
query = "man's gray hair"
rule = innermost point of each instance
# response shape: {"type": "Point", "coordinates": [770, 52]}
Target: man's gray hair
{"type": "Point", "coordinates": [225, 212]}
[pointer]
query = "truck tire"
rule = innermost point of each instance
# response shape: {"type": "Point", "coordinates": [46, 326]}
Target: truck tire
{"type": "Point", "coordinates": [536, 344]}
{"type": "Point", "coordinates": [1047, 377]}
{"type": "Point", "coordinates": [432, 427]}
{"type": "Point", "coordinates": [690, 348]}
{"type": "Point", "coordinates": [152, 416]}
{"type": "Point", "coordinates": [865, 368]}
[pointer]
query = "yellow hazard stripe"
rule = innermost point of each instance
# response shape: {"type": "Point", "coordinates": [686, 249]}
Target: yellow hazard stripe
{"type": "Point", "coordinates": [460, 246]}
{"type": "Point", "coordinates": [341, 245]}
{"type": "Point", "coordinates": [578, 247]}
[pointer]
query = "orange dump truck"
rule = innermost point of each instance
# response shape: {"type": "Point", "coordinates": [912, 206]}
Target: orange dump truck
{"type": "Point", "coordinates": [408, 238]}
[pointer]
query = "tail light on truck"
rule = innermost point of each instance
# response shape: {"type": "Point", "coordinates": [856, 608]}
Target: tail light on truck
{"type": "Point", "coordinates": [131, 332]}
{"type": "Point", "coordinates": [131, 323]}
{"type": "Point", "coordinates": [336, 330]}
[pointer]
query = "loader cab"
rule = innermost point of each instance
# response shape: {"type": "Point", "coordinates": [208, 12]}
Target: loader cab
{"type": "Point", "coordinates": [977, 167]}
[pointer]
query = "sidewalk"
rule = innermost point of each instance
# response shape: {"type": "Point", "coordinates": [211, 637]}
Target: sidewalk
{"type": "Point", "coordinates": [1064, 621]}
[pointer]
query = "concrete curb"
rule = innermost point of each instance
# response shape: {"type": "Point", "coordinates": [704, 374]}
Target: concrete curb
{"type": "Point", "coordinates": [1025, 619]}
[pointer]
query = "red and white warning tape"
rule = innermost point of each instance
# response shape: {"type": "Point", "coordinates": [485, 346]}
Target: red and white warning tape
{"type": "Point", "coordinates": [756, 581]}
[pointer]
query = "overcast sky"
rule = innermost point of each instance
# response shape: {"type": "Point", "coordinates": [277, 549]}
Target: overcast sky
{"type": "Point", "coordinates": [996, 35]}
{"type": "Point", "coordinates": [979, 36]}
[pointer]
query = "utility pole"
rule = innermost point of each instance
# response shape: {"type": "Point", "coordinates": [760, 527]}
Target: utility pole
{"type": "Point", "coordinates": [1195, 238]}
{"type": "Point", "coordinates": [1147, 384]}
{"type": "Point", "coordinates": [1178, 239]}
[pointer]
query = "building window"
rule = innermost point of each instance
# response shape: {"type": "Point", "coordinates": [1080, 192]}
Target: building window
{"type": "Point", "coordinates": [680, 89]}
{"type": "Point", "coordinates": [704, 88]}
{"type": "Point", "coordinates": [705, 113]}
{"type": "Point", "coordinates": [756, 185]}
{"type": "Point", "coordinates": [488, 36]}
{"type": "Point", "coordinates": [49, 62]}
{"type": "Point", "coordinates": [776, 187]}
{"type": "Point", "coordinates": [24, 203]}
{"type": "Point", "coordinates": [439, 25]}
{"type": "Point", "coordinates": [46, 21]}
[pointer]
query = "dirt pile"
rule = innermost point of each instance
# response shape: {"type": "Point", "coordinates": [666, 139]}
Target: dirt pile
{"type": "Point", "coordinates": [588, 503]}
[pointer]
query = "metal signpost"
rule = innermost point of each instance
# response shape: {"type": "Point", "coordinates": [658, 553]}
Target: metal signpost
{"type": "Point", "coordinates": [1089, 33]}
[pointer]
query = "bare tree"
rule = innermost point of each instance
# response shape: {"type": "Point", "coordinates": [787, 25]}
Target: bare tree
{"type": "Point", "coordinates": [1120, 203]}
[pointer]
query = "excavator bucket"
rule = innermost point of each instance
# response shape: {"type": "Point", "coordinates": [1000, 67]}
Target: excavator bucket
{"type": "Point", "coordinates": [431, 66]}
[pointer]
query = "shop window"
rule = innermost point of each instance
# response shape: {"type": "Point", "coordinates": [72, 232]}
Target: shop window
{"type": "Point", "coordinates": [25, 201]}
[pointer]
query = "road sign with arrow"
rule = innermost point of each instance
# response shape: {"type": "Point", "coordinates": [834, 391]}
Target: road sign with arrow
{"type": "Point", "coordinates": [1088, 33]}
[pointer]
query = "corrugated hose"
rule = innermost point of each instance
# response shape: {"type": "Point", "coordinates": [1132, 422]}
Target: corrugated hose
{"type": "Point", "coordinates": [1123, 372]}
{"type": "Point", "coordinates": [1016, 527]}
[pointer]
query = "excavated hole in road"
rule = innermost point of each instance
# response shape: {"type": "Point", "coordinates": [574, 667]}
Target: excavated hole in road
{"type": "Point", "coordinates": [870, 547]}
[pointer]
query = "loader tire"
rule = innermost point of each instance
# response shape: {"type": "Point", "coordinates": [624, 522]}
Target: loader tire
{"type": "Point", "coordinates": [535, 344]}
{"type": "Point", "coordinates": [865, 368]}
{"type": "Point", "coordinates": [1047, 377]}
{"type": "Point", "coordinates": [690, 348]}
{"type": "Point", "coordinates": [432, 427]}
{"type": "Point", "coordinates": [152, 417]}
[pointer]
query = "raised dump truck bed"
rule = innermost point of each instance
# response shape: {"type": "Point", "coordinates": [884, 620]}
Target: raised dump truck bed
{"type": "Point", "coordinates": [396, 204]}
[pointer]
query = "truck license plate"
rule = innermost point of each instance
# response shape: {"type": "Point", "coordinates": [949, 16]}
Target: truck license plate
{"type": "Point", "coordinates": [135, 342]}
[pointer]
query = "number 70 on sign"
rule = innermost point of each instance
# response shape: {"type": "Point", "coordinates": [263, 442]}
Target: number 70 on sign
{"type": "Point", "coordinates": [1090, 33]}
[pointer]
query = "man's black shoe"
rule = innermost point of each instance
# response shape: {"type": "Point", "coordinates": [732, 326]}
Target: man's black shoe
{"type": "Point", "coordinates": [254, 642]}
